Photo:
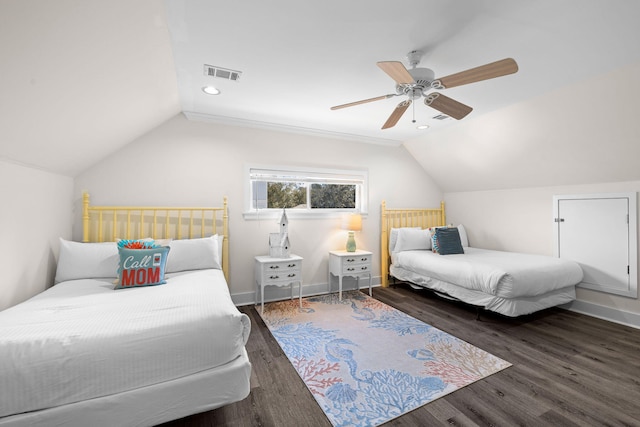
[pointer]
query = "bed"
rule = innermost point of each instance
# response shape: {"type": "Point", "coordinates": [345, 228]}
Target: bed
{"type": "Point", "coordinates": [509, 283]}
{"type": "Point", "coordinates": [83, 353]}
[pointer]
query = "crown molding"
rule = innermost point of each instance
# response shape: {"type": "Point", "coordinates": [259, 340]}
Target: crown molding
{"type": "Point", "coordinates": [232, 121]}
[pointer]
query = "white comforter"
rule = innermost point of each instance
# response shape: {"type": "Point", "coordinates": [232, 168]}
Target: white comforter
{"type": "Point", "coordinates": [82, 339]}
{"type": "Point", "coordinates": [502, 274]}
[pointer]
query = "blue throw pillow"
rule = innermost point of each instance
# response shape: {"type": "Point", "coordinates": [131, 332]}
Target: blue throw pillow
{"type": "Point", "coordinates": [141, 267]}
{"type": "Point", "coordinates": [448, 239]}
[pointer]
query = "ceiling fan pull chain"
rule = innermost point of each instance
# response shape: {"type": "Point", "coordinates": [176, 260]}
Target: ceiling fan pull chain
{"type": "Point", "coordinates": [413, 107]}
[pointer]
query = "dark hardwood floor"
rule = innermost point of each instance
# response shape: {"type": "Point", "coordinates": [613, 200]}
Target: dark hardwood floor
{"type": "Point", "coordinates": [568, 370]}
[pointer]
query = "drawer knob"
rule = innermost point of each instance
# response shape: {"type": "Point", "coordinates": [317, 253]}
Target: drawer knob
{"type": "Point", "coordinates": [350, 260]}
{"type": "Point", "coordinates": [364, 259]}
{"type": "Point", "coordinates": [274, 266]}
{"type": "Point", "coordinates": [292, 275]}
{"type": "Point", "coordinates": [291, 265]}
{"type": "Point", "coordinates": [364, 267]}
{"type": "Point", "coordinates": [273, 277]}
{"type": "Point", "coordinates": [350, 269]}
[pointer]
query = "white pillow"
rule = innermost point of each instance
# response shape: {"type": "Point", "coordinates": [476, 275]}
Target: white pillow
{"type": "Point", "coordinates": [410, 239]}
{"type": "Point", "coordinates": [86, 260]}
{"type": "Point", "coordinates": [393, 237]}
{"type": "Point", "coordinates": [463, 236]}
{"type": "Point", "coordinates": [194, 254]}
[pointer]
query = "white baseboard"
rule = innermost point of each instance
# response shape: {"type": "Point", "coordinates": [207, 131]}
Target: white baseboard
{"type": "Point", "coordinates": [605, 313]}
{"type": "Point", "coordinates": [274, 293]}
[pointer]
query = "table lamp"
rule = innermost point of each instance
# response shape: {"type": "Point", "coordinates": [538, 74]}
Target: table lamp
{"type": "Point", "coordinates": [352, 223]}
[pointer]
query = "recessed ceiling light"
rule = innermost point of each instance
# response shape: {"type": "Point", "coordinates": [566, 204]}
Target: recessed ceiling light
{"type": "Point", "coordinates": [210, 90]}
{"type": "Point", "coordinates": [421, 127]}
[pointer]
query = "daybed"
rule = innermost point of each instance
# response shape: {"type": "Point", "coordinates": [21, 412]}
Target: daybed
{"type": "Point", "coordinates": [85, 354]}
{"type": "Point", "coordinates": [508, 283]}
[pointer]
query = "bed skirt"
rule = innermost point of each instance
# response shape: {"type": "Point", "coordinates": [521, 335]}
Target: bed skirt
{"type": "Point", "coordinates": [512, 307]}
{"type": "Point", "coordinates": [151, 405]}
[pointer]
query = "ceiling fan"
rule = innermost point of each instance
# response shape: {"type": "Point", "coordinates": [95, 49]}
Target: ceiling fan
{"type": "Point", "coordinates": [418, 82]}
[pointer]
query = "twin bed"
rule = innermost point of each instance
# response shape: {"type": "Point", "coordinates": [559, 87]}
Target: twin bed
{"type": "Point", "coordinates": [508, 283]}
{"type": "Point", "coordinates": [85, 354]}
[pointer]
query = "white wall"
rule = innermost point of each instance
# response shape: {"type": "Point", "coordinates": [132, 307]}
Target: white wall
{"type": "Point", "coordinates": [585, 133]}
{"type": "Point", "coordinates": [36, 211]}
{"type": "Point", "coordinates": [193, 163]}
{"type": "Point", "coordinates": [522, 220]}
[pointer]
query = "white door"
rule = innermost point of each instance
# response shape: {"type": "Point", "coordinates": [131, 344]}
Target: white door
{"type": "Point", "coordinates": [595, 232]}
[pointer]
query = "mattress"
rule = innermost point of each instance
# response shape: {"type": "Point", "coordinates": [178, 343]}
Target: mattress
{"type": "Point", "coordinates": [496, 273]}
{"type": "Point", "coordinates": [82, 339]}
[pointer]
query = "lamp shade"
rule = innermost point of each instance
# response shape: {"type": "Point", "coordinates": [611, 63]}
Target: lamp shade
{"type": "Point", "coordinates": [352, 222]}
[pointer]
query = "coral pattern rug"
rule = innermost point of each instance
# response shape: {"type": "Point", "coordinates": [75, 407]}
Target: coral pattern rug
{"type": "Point", "coordinates": [366, 362]}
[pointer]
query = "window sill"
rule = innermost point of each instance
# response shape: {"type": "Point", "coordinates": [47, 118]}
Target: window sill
{"type": "Point", "coordinates": [296, 214]}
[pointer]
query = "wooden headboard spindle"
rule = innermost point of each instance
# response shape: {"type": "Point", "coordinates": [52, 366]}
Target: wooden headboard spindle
{"type": "Point", "coordinates": [398, 218]}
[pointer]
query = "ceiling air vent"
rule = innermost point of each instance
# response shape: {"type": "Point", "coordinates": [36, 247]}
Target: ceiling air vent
{"type": "Point", "coordinates": [440, 117]}
{"type": "Point", "coordinates": [223, 73]}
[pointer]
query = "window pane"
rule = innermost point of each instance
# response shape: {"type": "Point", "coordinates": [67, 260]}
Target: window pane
{"type": "Point", "coordinates": [287, 195]}
{"type": "Point", "coordinates": [312, 192]}
{"type": "Point", "coordinates": [333, 196]}
{"type": "Point", "coordinates": [259, 195]}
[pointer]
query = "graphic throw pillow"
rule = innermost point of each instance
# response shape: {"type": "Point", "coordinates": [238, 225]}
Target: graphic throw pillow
{"type": "Point", "coordinates": [434, 240]}
{"type": "Point", "coordinates": [141, 267]}
{"type": "Point", "coordinates": [448, 239]}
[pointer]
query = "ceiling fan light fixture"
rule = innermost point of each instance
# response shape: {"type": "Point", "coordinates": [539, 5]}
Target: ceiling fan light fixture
{"type": "Point", "coordinates": [210, 90]}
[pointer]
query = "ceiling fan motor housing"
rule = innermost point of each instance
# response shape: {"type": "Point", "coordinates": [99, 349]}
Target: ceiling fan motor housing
{"type": "Point", "coordinates": [422, 83]}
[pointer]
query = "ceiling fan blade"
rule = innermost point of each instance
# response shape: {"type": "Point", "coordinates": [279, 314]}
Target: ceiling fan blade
{"type": "Point", "coordinates": [446, 105]}
{"type": "Point", "coordinates": [364, 101]}
{"type": "Point", "coordinates": [397, 113]}
{"type": "Point", "coordinates": [477, 74]}
{"type": "Point", "coordinates": [396, 71]}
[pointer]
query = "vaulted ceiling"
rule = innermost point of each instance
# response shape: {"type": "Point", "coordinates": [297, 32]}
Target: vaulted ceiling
{"type": "Point", "coordinates": [81, 79]}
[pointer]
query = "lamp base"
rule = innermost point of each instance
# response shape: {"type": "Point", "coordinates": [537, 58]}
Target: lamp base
{"type": "Point", "coordinates": [351, 242]}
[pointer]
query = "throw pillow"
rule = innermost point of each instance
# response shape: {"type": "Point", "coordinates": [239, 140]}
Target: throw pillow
{"type": "Point", "coordinates": [434, 240]}
{"type": "Point", "coordinates": [448, 239]}
{"type": "Point", "coordinates": [86, 260]}
{"type": "Point", "coordinates": [410, 239]}
{"type": "Point", "coordinates": [141, 267]}
{"type": "Point", "coordinates": [195, 254]}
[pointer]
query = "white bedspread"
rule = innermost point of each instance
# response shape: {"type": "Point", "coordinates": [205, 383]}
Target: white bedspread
{"type": "Point", "coordinates": [502, 274]}
{"type": "Point", "coordinates": [82, 339]}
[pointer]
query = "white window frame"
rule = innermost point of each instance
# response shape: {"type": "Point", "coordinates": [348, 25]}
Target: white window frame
{"type": "Point", "coordinates": [309, 175]}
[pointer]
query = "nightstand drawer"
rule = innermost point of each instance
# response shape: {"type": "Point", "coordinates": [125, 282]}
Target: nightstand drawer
{"type": "Point", "coordinates": [356, 264]}
{"type": "Point", "coordinates": [282, 266]}
{"type": "Point", "coordinates": [356, 259]}
{"type": "Point", "coordinates": [356, 268]}
{"type": "Point", "coordinates": [281, 275]}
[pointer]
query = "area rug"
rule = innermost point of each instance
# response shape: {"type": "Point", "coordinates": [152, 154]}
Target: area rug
{"type": "Point", "coordinates": [365, 362]}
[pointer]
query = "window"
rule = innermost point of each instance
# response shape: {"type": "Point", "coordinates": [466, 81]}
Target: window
{"type": "Point", "coordinates": [304, 192]}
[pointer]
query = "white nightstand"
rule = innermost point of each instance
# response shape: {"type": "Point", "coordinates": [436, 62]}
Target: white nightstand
{"type": "Point", "coordinates": [354, 264]}
{"type": "Point", "coordinates": [278, 272]}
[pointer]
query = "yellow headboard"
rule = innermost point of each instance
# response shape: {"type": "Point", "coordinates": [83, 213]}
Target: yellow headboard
{"type": "Point", "coordinates": [108, 223]}
{"type": "Point", "coordinates": [397, 218]}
